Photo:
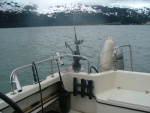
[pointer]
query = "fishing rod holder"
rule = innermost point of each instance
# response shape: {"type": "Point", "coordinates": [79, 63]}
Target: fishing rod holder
{"type": "Point", "coordinates": [58, 58]}
{"type": "Point", "coordinates": [15, 82]}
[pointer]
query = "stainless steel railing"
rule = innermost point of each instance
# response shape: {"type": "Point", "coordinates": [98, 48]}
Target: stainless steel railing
{"type": "Point", "coordinates": [115, 54]}
{"type": "Point", "coordinates": [114, 62]}
{"type": "Point", "coordinates": [14, 81]}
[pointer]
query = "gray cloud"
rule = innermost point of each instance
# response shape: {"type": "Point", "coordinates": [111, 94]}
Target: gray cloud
{"type": "Point", "coordinates": [46, 3]}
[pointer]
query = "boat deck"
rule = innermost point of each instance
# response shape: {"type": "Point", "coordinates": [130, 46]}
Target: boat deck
{"type": "Point", "coordinates": [73, 111]}
{"type": "Point", "coordinates": [126, 98]}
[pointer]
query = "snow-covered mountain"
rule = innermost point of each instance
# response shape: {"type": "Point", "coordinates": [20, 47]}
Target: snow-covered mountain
{"type": "Point", "coordinates": [66, 8]}
{"type": "Point", "coordinates": [62, 14]}
{"type": "Point", "coordinates": [70, 8]}
{"type": "Point", "coordinates": [16, 7]}
{"type": "Point", "coordinates": [106, 10]}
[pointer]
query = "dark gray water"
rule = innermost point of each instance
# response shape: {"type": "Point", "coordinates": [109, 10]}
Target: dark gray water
{"type": "Point", "coordinates": [21, 46]}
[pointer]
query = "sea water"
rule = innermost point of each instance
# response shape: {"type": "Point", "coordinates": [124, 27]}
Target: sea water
{"type": "Point", "coordinates": [22, 46]}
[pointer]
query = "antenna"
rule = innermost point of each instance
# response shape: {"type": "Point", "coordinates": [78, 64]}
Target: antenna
{"type": "Point", "coordinates": [76, 66]}
{"type": "Point", "coordinates": [75, 31]}
{"type": "Point", "coordinates": [77, 42]}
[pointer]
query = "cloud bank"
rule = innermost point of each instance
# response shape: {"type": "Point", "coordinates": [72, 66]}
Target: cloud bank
{"type": "Point", "coordinates": [47, 3]}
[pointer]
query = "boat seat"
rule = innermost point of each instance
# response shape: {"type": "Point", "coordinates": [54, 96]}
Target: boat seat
{"type": "Point", "coordinates": [73, 111]}
{"type": "Point", "coordinates": [126, 98]}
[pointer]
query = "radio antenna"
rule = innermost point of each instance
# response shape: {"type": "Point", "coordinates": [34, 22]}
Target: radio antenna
{"type": "Point", "coordinates": [77, 42]}
{"type": "Point", "coordinates": [76, 66]}
{"type": "Point", "coordinates": [75, 30]}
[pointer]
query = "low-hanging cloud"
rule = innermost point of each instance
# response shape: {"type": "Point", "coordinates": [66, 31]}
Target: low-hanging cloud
{"type": "Point", "coordinates": [47, 3]}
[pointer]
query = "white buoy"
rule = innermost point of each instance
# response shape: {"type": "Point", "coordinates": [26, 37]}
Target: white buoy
{"type": "Point", "coordinates": [106, 59]}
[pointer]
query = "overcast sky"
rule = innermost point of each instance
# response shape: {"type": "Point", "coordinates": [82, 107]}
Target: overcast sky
{"type": "Point", "coordinates": [47, 3]}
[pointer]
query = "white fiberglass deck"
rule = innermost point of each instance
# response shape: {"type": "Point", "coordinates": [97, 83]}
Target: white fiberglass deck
{"type": "Point", "coordinates": [125, 91]}
{"type": "Point", "coordinates": [126, 98]}
{"type": "Point", "coordinates": [73, 111]}
{"type": "Point", "coordinates": [115, 92]}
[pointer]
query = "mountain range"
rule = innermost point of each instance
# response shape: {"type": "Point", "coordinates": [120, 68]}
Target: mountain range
{"type": "Point", "coordinates": [14, 14]}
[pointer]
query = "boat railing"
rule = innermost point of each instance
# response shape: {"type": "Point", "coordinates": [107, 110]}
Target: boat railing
{"type": "Point", "coordinates": [114, 62]}
{"type": "Point", "coordinates": [115, 55]}
{"type": "Point", "coordinates": [14, 81]}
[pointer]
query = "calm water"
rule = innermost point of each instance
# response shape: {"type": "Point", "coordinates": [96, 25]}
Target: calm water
{"type": "Point", "coordinates": [21, 46]}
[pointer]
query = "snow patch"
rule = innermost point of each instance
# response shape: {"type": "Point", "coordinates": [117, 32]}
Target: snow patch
{"type": "Point", "coordinates": [67, 8]}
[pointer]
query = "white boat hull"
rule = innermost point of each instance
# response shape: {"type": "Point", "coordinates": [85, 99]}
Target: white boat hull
{"type": "Point", "coordinates": [114, 92]}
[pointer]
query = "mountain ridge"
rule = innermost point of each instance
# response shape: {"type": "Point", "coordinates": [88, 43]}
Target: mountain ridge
{"type": "Point", "coordinates": [26, 15]}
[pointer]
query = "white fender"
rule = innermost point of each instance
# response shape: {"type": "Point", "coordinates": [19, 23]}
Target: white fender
{"type": "Point", "coordinates": [106, 59]}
